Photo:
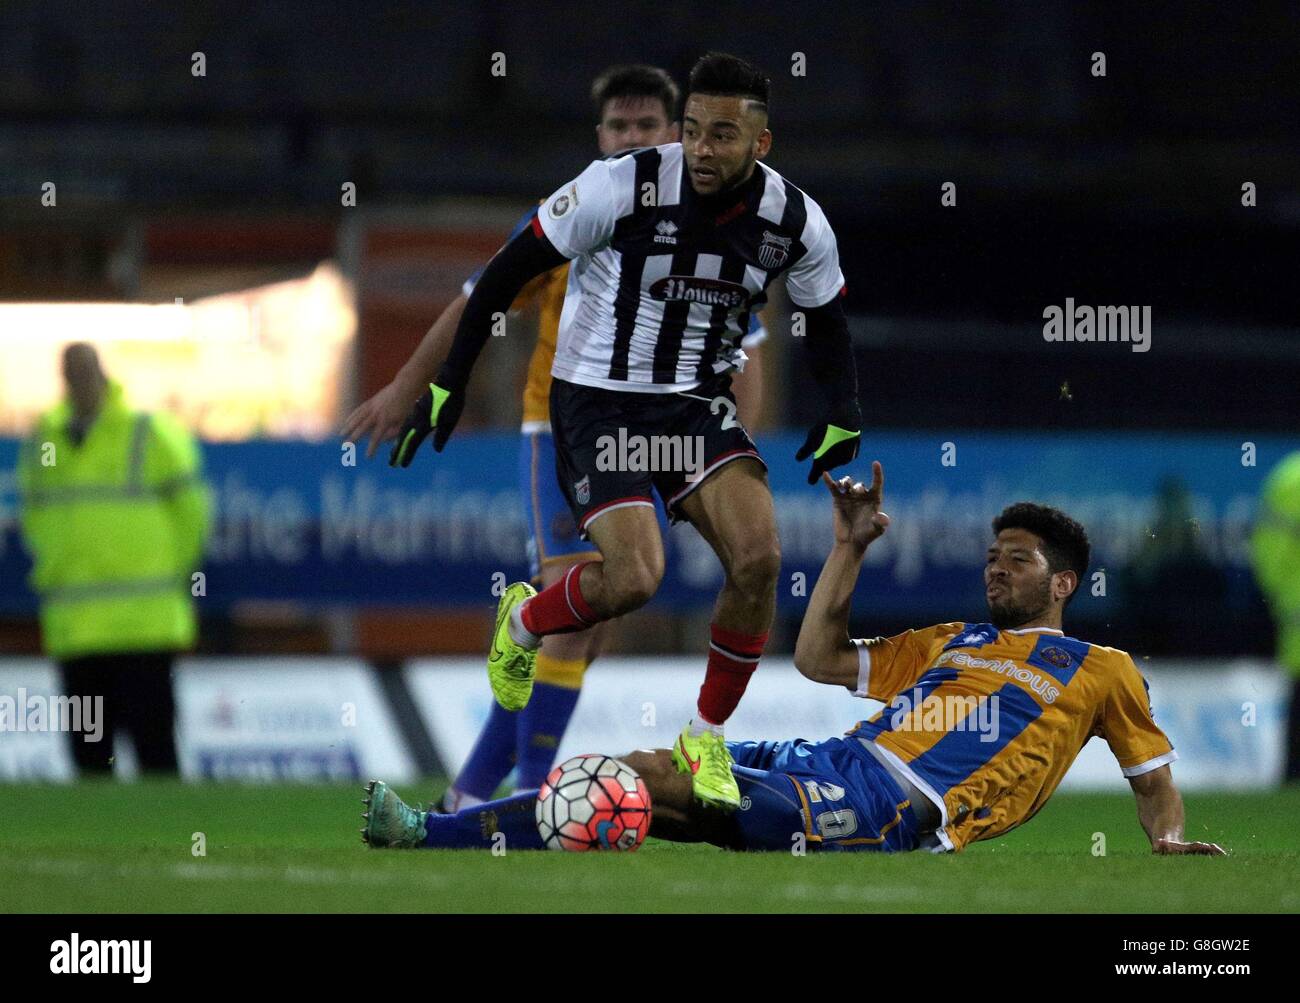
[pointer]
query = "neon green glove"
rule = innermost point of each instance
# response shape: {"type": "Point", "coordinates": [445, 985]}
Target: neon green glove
{"type": "Point", "coordinates": [830, 446]}
{"type": "Point", "coordinates": [436, 411]}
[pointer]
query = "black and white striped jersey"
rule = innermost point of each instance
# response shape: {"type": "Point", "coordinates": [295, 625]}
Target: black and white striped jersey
{"type": "Point", "coordinates": [664, 280]}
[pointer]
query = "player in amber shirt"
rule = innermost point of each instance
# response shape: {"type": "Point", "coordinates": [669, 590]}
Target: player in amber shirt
{"type": "Point", "coordinates": [982, 720]}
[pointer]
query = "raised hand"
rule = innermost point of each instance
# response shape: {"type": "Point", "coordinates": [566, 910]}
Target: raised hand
{"type": "Point", "coordinates": [379, 418]}
{"type": "Point", "coordinates": [857, 516]}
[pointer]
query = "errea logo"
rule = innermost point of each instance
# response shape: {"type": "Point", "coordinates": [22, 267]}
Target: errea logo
{"type": "Point", "coordinates": [665, 231]}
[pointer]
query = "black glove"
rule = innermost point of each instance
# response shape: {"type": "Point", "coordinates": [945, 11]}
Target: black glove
{"type": "Point", "coordinates": [832, 444]}
{"type": "Point", "coordinates": [436, 411]}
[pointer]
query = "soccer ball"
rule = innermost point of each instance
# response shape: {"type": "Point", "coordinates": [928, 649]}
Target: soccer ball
{"type": "Point", "coordinates": [593, 803]}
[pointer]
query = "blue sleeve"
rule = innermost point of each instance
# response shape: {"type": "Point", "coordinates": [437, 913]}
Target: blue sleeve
{"type": "Point", "coordinates": [468, 286]}
{"type": "Point", "coordinates": [757, 333]}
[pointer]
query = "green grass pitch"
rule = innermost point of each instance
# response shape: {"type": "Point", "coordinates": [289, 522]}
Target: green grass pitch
{"type": "Point", "coordinates": [102, 847]}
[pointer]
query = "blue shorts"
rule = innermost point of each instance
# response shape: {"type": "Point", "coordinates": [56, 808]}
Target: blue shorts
{"type": "Point", "coordinates": [552, 532]}
{"type": "Point", "coordinates": [837, 796]}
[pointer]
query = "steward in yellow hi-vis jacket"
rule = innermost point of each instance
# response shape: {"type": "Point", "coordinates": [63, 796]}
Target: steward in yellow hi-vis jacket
{"type": "Point", "coordinates": [114, 514]}
{"type": "Point", "coordinates": [1275, 554]}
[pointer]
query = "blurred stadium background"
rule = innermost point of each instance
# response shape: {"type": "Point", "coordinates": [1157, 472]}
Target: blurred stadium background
{"type": "Point", "coordinates": [200, 241]}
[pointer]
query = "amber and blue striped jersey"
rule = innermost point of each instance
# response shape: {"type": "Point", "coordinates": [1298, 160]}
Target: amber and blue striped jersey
{"type": "Point", "coordinates": [985, 722]}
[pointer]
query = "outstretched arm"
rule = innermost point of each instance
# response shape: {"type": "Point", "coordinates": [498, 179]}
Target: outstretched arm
{"type": "Point", "coordinates": [824, 652]}
{"type": "Point", "coordinates": [526, 256]}
{"type": "Point", "coordinates": [834, 440]}
{"type": "Point", "coordinates": [380, 418]}
{"type": "Point", "coordinates": [428, 356]}
{"type": "Point", "coordinates": [1160, 810]}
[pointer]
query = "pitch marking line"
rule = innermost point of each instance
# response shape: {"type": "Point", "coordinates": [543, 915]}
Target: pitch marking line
{"type": "Point", "coordinates": [196, 871]}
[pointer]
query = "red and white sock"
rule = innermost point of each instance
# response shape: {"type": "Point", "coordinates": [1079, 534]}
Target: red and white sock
{"type": "Point", "coordinates": [733, 657]}
{"type": "Point", "coordinates": [560, 609]}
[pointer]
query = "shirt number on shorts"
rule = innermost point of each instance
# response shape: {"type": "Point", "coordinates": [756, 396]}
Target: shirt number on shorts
{"type": "Point", "coordinates": [835, 824]}
{"type": "Point", "coordinates": [831, 824]}
{"type": "Point", "coordinates": [722, 402]}
{"type": "Point", "coordinates": [819, 790]}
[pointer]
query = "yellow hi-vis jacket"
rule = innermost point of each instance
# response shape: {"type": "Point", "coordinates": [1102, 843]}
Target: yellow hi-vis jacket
{"type": "Point", "coordinates": [115, 527]}
{"type": "Point", "coordinates": [1275, 554]}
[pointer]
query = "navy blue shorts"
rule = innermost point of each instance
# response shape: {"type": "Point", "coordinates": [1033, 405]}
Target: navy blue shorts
{"type": "Point", "coordinates": [837, 797]}
{"type": "Point", "coordinates": [588, 421]}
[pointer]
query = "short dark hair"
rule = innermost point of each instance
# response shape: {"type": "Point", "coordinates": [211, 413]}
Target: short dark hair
{"type": "Point", "coordinates": [636, 81]}
{"type": "Point", "coordinates": [1065, 541]}
{"type": "Point", "coordinates": [722, 73]}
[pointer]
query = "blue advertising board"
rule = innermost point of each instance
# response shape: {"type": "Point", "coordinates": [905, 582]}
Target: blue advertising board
{"type": "Point", "coordinates": [295, 521]}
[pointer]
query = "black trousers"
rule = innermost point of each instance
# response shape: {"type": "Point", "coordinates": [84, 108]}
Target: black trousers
{"type": "Point", "coordinates": [137, 692]}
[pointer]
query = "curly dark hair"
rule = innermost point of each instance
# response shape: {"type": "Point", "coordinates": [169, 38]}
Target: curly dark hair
{"type": "Point", "coordinates": [1065, 541]}
{"type": "Point", "coordinates": [636, 80]}
{"type": "Point", "coordinates": [722, 73]}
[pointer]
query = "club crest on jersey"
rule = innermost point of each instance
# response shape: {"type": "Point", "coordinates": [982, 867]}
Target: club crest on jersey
{"type": "Point", "coordinates": [774, 250]}
{"type": "Point", "coordinates": [582, 490]}
{"type": "Point", "coordinates": [564, 202]}
{"type": "Point", "coordinates": [1056, 656]}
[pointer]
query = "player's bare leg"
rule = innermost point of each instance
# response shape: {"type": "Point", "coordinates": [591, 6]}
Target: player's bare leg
{"type": "Point", "coordinates": [590, 592]}
{"type": "Point", "coordinates": [584, 646]}
{"type": "Point", "coordinates": [587, 593]}
{"type": "Point", "coordinates": [628, 539]}
{"type": "Point", "coordinates": [733, 511]}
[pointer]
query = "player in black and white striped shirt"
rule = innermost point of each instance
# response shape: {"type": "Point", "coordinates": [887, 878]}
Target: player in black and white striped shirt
{"type": "Point", "coordinates": [659, 294]}
{"type": "Point", "coordinates": [672, 247]}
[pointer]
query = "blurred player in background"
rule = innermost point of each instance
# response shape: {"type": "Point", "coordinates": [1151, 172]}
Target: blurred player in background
{"type": "Point", "coordinates": [673, 248]}
{"type": "Point", "coordinates": [636, 106]}
{"type": "Point", "coordinates": [1275, 554]}
{"type": "Point", "coordinates": [115, 514]}
{"type": "Point", "coordinates": [981, 721]}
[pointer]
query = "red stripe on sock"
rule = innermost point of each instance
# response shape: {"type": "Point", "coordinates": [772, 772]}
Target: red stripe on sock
{"type": "Point", "coordinates": [726, 677]}
{"type": "Point", "coordinates": [573, 591]}
{"type": "Point", "coordinates": [742, 644]}
{"type": "Point", "coordinates": [560, 609]}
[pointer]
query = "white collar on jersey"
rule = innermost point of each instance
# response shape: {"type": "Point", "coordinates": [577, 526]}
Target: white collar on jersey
{"type": "Point", "coordinates": [1041, 630]}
